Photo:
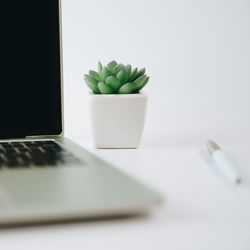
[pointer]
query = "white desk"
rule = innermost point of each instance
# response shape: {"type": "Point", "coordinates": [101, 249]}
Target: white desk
{"type": "Point", "coordinates": [200, 211]}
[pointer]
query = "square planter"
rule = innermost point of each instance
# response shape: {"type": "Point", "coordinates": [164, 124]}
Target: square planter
{"type": "Point", "coordinates": [117, 121]}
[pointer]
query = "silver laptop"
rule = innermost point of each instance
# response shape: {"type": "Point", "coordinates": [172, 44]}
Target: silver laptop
{"type": "Point", "coordinates": [43, 175]}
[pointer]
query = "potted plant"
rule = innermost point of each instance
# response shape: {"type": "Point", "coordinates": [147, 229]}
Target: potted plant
{"type": "Point", "coordinates": [117, 105]}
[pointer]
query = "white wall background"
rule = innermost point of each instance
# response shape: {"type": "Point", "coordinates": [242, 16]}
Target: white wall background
{"type": "Point", "coordinates": [196, 52]}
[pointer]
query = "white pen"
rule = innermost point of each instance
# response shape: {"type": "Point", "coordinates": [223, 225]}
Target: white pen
{"type": "Point", "coordinates": [223, 163]}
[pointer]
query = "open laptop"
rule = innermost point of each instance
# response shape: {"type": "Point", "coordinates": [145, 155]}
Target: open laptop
{"type": "Point", "coordinates": [43, 175]}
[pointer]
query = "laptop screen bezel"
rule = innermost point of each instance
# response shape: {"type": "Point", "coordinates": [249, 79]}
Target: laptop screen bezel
{"type": "Point", "coordinates": [61, 132]}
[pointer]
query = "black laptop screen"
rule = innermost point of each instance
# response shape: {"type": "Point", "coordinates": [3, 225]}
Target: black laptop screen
{"type": "Point", "coordinates": [30, 92]}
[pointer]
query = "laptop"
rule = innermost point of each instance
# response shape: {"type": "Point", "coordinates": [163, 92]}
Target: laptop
{"type": "Point", "coordinates": [43, 175]}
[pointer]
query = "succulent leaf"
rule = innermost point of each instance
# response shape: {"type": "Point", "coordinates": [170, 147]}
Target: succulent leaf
{"type": "Point", "coordinates": [143, 85]}
{"type": "Point", "coordinates": [122, 76]}
{"type": "Point", "coordinates": [128, 69]}
{"type": "Point", "coordinates": [111, 66]}
{"type": "Point", "coordinates": [126, 88]}
{"type": "Point", "coordinates": [139, 81]}
{"type": "Point", "coordinates": [146, 80]}
{"type": "Point", "coordinates": [95, 75]}
{"type": "Point", "coordinates": [91, 82]}
{"type": "Point", "coordinates": [105, 73]}
{"type": "Point", "coordinates": [140, 73]}
{"type": "Point", "coordinates": [104, 88]}
{"type": "Point", "coordinates": [113, 82]}
{"type": "Point", "coordinates": [133, 75]}
{"type": "Point", "coordinates": [118, 68]}
{"type": "Point", "coordinates": [99, 68]}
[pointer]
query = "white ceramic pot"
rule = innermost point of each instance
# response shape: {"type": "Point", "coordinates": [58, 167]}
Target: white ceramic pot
{"type": "Point", "coordinates": [117, 121]}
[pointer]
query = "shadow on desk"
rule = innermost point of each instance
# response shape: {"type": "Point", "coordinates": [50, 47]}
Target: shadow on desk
{"type": "Point", "coordinates": [82, 221]}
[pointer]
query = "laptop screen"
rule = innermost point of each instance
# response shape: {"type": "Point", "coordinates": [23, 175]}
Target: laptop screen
{"type": "Point", "coordinates": [30, 91]}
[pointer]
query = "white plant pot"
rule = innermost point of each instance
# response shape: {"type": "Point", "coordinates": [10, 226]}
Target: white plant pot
{"type": "Point", "coordinates": [117, 121]}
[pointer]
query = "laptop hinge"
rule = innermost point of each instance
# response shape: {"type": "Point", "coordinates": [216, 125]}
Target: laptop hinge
{"type": "Point", "coordinates": [12, 137]}
{"type": "Point", "coordinates": [41, 136]}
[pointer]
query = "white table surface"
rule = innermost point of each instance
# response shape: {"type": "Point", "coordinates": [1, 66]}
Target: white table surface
{"type": "Point", "coordinates": [200, 210]}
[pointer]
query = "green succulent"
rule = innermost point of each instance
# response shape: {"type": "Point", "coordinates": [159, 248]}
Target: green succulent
{"type": "Point", "coordinates": [116, 79]}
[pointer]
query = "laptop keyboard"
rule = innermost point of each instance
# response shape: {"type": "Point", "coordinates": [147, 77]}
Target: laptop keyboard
{"type": "Point", "coordinates": [34, 154]}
